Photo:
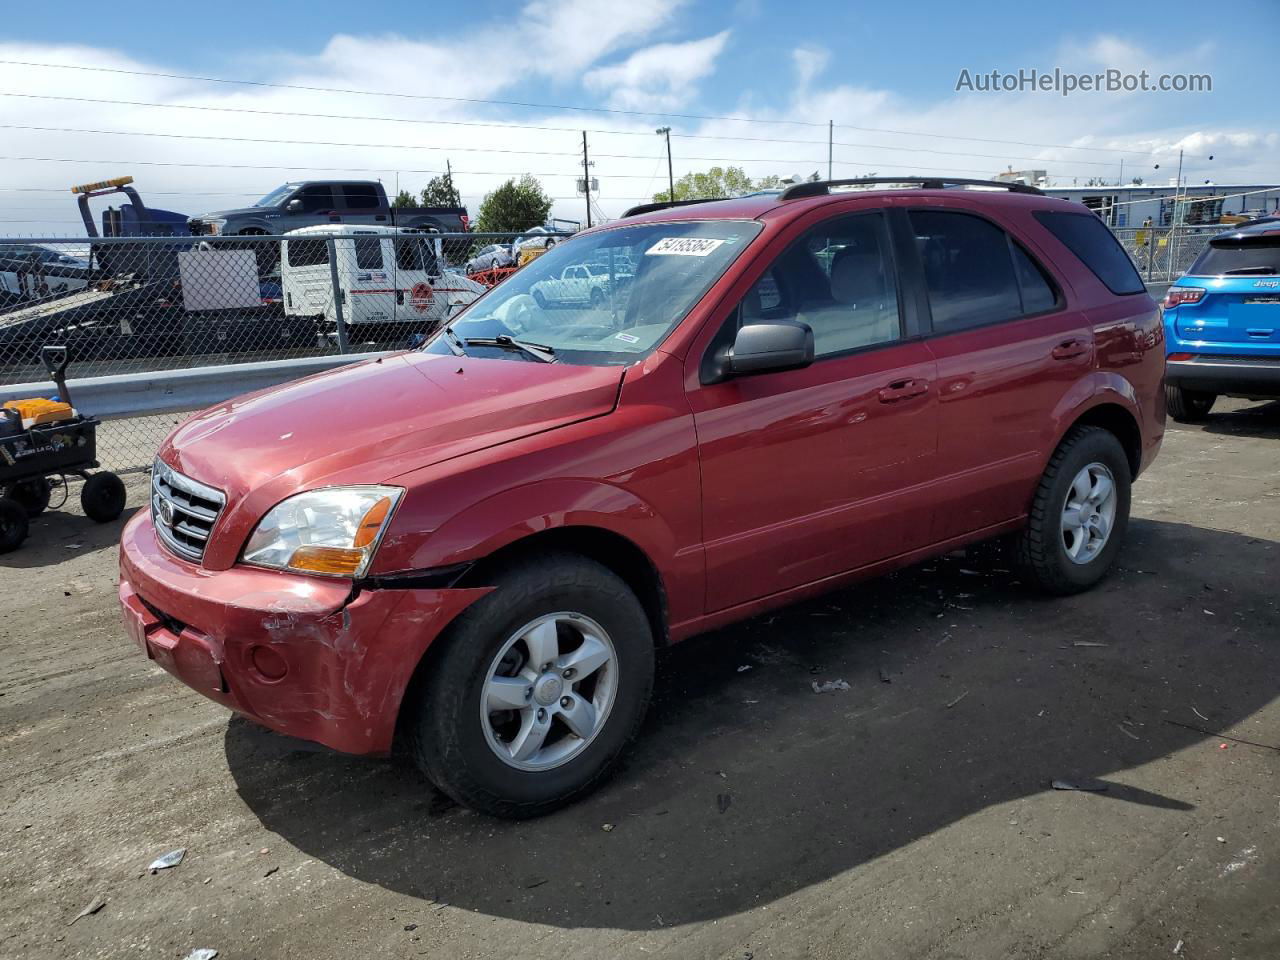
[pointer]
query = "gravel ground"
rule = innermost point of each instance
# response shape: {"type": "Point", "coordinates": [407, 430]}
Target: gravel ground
{"type": "Point", "coordinates": [910, 815]}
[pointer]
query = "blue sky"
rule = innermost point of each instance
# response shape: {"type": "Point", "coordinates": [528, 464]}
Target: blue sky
{"type": "Point", "coordinates": [880, 66]}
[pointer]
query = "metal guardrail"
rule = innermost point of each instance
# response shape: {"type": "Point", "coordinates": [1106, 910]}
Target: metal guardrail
{"type": "Point", "coordinates": [175, 391]}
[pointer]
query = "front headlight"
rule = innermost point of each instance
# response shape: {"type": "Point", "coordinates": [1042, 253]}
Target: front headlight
{"type": "Point", "coordinates": [333, 531]}
{"type": "Point", "coordinates": [215, 226]}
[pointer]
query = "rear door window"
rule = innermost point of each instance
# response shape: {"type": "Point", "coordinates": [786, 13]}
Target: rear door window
{"type": "Point", "coordinates": [968, 270]}
{"type": "Point", "coordinates": [360, 196]}
{"type": "Point", "coordinates": [1097, 248]}
{"type": "Point", "coordinates": [368, 253]}
{"type": "Point", "coordinates": [308, 252]}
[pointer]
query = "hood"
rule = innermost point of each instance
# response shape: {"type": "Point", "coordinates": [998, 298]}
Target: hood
{"type": "Point", "coordinates": [239, 212]}
{"type": "Point", "coordinates": [375, 420]}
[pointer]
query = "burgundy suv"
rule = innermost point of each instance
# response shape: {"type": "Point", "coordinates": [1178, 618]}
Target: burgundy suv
{"type": "Point", "coordinates": [472, 550]}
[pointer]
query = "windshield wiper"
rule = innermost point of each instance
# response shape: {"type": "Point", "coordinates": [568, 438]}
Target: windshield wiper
{"type": "Point", "coordinates": [538, 351]}
{"type": "Point", "coordinates": [1260, 268]}
{"type": "Point", "coordinates": [455, 342]}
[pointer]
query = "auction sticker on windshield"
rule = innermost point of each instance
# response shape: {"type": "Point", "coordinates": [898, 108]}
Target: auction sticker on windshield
{"type": "Point", "coordinates": [683, 247]}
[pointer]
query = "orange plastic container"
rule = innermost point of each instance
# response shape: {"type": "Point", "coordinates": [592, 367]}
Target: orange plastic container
{"type": "Point", "coordinates": [38, 410]}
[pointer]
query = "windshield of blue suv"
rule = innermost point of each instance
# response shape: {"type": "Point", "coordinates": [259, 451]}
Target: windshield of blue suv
{"type": "Point", "coordinates": [603, 298]}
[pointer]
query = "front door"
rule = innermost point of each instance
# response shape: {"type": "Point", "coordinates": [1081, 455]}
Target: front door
{"type": "Point", "coordinates": [808, 473]}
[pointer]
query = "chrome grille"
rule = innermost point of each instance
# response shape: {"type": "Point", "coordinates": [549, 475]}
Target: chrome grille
{"type": "Point", "coordinates": [183, 511]}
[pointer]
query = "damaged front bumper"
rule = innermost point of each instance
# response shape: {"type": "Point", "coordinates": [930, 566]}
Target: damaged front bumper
{"type": "Point", "coordinates": [298, 654]}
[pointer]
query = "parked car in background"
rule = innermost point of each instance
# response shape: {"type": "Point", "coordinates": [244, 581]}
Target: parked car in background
{"type": "Point", "coordinates": [492, 257]}
{"type": "Point", "coordinates": [314, 202]}
{"type": "Point", "coordinates": [474, 550]}
{"type": "Point", "coordinates": [535, 238]}
{"type": "Point", "coordinates": [578, 283]}
{"type": "Point", "coordinates": [1222, 323]}
{"type": "Point", "coordinates": [32, 271]}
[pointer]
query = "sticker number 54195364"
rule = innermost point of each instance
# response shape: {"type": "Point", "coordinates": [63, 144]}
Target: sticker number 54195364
{"type": "Point", "coordinates": [683, 247]}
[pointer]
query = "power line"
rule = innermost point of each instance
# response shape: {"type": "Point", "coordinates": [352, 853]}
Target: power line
{"type": "Point", "coordinates": [555, 106]}
{"type": "Point", "coordinates": [545, 153]}
{"type": "Point", "coordinates": [473, 173]}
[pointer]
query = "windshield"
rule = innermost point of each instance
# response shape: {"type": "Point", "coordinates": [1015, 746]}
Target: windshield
{"type": "Point", "coordinates": [276, 196]}
{"type": "Point", "coordinates": [604, 298]}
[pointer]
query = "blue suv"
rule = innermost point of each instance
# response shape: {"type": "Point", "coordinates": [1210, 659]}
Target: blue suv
{"type": "Point", "coordinates": [1222, 323]}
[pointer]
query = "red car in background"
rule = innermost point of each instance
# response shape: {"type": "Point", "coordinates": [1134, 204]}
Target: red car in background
{"type": "Point", "coordinates": [472, 550]}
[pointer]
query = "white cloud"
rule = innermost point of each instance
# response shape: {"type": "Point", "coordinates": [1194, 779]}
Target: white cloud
{"type": "Point", "coordinates": [546, 51]}
{"type": "Point", "coordinates": [809, 62]}
{"type": "Point", "coordinates": [661, 77]}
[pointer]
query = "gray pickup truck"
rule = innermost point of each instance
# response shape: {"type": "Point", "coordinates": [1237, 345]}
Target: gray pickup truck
{"type": "Point", "coordinates": [310, 203]}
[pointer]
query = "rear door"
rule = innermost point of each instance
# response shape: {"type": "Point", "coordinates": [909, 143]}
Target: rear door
{"type": "Point", "coordinates": [1008, 348]}
{"type": "Point", "coordinates": [361, 203]}
{"type": "Point", "coordinates": [1238, 314]}
{"type": "Point", "coordinates": [367, 277]}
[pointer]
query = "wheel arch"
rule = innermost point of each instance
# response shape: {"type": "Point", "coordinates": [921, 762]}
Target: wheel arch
{"type": "Point", "coordinates": [613, 551]}
{"type": "Point", "coordinates": [1115, 417]}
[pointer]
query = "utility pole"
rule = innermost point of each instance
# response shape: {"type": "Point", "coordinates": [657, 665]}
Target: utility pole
{"type": "Point", "coordinates": [831, 134]}
{"type": "Point", "coordinates": [586, 177]}
{"type": "Point", "coordinates": [1121, 183]}
{"type": "Point", "coordinates": [671, 177]}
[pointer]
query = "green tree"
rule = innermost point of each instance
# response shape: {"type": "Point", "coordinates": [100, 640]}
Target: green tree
{"type": "Point", "coordinates": [714, 183]}
{"type": "Point", "coordinates": [441, 192]}
{"type": "Point", "coordinates": [403, 199]}
{"type": "Point", "coordinates": [514, 207]}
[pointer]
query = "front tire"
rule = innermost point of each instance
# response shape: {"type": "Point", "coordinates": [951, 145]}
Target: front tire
{"type": "Point", "coordinates": [1079, 514]}
{"type": "Point", "coordinates": [536, 688]}
{"type": "Point", "coordinates": [1187, 406]}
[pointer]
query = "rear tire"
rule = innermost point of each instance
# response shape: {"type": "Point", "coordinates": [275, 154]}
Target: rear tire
{"type": "Point", "coordinates": [1073, 532]}
{"type": "Point", "coordinates": [102, 497]}
{"type": "Point", "coordinates": [13, 524]}
{"type": "Point", "coordinates": [469, 749]}
{"type": "Point", "coordinates": [1187, 406]}
{"type": "Point", "coordinates": [32, 495]}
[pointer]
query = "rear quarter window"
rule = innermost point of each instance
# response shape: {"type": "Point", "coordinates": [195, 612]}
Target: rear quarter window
{"type": "Point", "coordinates": [1096, 247]}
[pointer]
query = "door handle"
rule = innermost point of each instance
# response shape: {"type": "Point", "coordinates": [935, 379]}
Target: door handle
{"type": "Point", "coordinates": [902, 390]}
{"type": "Point", "coordinates": [1070, 349]}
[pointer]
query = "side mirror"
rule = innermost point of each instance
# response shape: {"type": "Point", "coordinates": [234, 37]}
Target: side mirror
{"type": "Point", "coordinates": [771, 345]}
{"type": "Point", "coordinates": [293, 206]}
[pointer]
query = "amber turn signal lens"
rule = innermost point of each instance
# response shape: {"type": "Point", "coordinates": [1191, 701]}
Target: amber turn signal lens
{"type": "Point", "coordinates": [372, 522]}
{"type": "Point", "coordinates": [341, 561]}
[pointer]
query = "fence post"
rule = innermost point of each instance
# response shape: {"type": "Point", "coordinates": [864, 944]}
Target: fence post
{"type": "Point", "coordinates": [338, 314]}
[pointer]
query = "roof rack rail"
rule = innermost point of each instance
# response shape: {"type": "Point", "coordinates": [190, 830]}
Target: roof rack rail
{"type": "Point", "coordinates": [822, 187]}
{"type": "Point", "coordinates": [664, 204]}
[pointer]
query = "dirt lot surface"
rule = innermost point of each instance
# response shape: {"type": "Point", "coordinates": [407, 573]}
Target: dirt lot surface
{"type": "Point", "coordinates": [910, 815]}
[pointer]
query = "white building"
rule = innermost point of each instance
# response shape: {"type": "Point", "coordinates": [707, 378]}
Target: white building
{"type": "Point", "coordinates": [1130, 205]}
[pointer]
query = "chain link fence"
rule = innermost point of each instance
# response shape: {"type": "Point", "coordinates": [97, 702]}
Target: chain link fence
{"type": "Point", "coordinates": [140, 305]}
{"type": "Point", "coordinates": [1162, 254]}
